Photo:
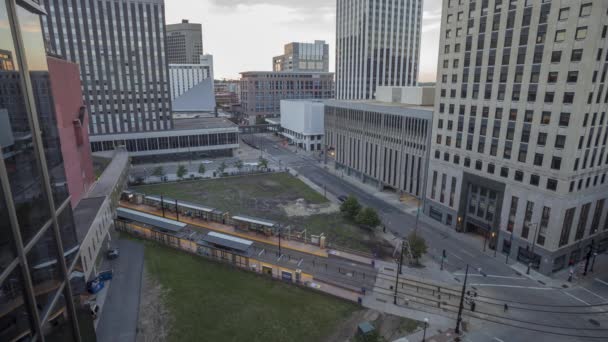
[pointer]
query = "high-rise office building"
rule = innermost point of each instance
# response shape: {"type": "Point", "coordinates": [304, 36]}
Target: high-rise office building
{"type": "Point", "coordinates": [519, 149]}
{"type": "Point", "coordinates": [120, 47]}
{"type": "Point", "coordinates": [39, 261]}
{"type": "Point", "coordinates": [262, 91]}
{"type": "Point", "coordinates": [303, 57]}
{"type": "Point", "coordinates": [184, 43]}
{"type": "Point", "coordinates": [377, 44]}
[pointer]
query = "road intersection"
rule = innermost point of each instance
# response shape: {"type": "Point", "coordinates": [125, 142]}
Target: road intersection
{"type": "Point", "coordinates": [537, 305]}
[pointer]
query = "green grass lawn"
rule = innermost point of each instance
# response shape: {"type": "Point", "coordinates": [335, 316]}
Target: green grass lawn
{"type": "Point", "coordinates": [214, 302]}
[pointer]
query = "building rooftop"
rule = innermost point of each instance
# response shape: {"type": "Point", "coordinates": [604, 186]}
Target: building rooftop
{"type": "Point", "coordinates": [202, 122]}
{"type": "Point", "coordinates": [252, 73]}
{"type": "Point", "coordinates": [110, 176]}
{"type": "Point", "coordinates": [84, 215]}
{"type": "Point", "coordinates": [395, 108]}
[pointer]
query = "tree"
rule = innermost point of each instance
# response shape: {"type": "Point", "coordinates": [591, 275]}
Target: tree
{"type": "Point", "coordinates": [417, 246]}
{"type": "Point", "coordinates": [262, 163]}
{"type": "Point", "coordinates": [181, 171]}
{"type": "Point", "coordinates": [221, 168]}
{"type": "Point", "coordinates": [202, 169]}
{"type": "Point", "coordinates": [159, 172]}
{"type": "Point", "coordinates": [368, 217]}
{"type": "Point", "coordinates": [350, 207]}
{"type": "Point", "coordinates": [239, 165]}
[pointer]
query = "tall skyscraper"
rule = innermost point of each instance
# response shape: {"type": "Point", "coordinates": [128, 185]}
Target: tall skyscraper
{"type": "Point", "coordinates": [377, 44]}
{"type": "Point", "coordinates": [184, 43]}
{"type": "Point", "coordinates": [519, 139]}
{"type": "Point", "coordinates": [303, 57]}
{"type": "Point", "coordinates": [38, 246]}
{"type": "Point", "coordinates": [120, 47]}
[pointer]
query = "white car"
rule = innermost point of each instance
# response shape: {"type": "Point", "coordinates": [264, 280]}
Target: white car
{"type": "Point", "coordinates": [206, 162]}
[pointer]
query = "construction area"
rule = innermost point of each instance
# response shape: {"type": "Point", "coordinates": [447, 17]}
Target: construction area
{"type": "Point", "coordinates": [279, 198]}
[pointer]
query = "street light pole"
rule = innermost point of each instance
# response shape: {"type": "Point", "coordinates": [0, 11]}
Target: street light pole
{"type": "Point", "coordinates": [510, 245]}
{"type": "Point", "coordinates": [426, 323]}
{"type": "Point", "coordinates": [460, 307]}
{"type": "Point", "coordinates": [398, 271]}
{"type": "Point", "coordinates": [280, 242]}
{"type": "Point", "coordinates": [162, 205]}
{"type": "Point", "coordinates": [485, 241]}
{"type": "Point", "coordinates": [417, 216]}
{"type": "Point", "coordinates": [533, 244]}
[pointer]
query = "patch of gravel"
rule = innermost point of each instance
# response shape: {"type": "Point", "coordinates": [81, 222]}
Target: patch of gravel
{"type": "Point", "coordinates": [154, 318]}
{"type": "Point", "coordinates": [301, 208]}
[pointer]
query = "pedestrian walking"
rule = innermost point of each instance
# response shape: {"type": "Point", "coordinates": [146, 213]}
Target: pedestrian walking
{"type": "Point", "coordinates": [506, 307]}
{"type": "Point", "coordinates": [571, 274]}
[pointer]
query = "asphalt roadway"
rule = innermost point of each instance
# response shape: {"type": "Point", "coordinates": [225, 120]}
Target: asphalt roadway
{"type": "Point", "coordinates": [568, 312]}
{"type": "Point", "coordinates": [118, 321]}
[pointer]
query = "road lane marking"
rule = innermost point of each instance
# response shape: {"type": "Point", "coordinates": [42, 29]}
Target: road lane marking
{"type": "Point", "coordinates": [497, 339]}
{"type": "Point", "coordinates": [456, 255]}
{"type": "Point", "coordinates": [575, 297]}
{"type": "Point", "coordinates": [491, 276]}
{"type": "Point", "coordinates": [467, 253]}
{"type": "Point", "coordinates": [601, 281]}
{"type": "Point", "coordinates": [514, 286]}
{"type": "Point", "coordinates": [595, 294]}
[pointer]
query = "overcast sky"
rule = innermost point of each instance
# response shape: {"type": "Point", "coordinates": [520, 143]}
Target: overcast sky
{"type": "Point", "coordinates": [244, 35]}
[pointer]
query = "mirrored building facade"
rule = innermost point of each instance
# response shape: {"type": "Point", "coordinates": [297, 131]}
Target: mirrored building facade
{"type": "Point", "coordinates": [38, 245]}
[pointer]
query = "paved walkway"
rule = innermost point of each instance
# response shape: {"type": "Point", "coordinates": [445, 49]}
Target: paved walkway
{"type": "Point", "coordinates": [222, 228]}
{"type": "Point", "coordinates": [119, 317]}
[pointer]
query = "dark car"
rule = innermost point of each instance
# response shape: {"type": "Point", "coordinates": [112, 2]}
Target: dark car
{"type": "Point", "coordinates": [342, 198]}
{"type": "Point", "coordinates": [112, 253]}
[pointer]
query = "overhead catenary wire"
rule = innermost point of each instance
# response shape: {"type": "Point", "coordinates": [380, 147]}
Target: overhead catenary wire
{"type": "Point", "coordinates": [470, 314]}
{"type": "Point", "coordinates": [443, 307]}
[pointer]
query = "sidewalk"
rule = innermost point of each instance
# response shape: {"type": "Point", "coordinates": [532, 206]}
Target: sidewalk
{"type": "Point", "coordinates": [218, 227]}
{"type": "Point", "coordinates": [431, 336]}
{"type": "Point", "coordinates": [437, 323]}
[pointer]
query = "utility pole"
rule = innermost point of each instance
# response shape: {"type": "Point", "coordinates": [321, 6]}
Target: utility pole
{"type": "Point", "coordinates": [464, 286]}
{"type": "Point", "coordinates": [162, 205]}
{"type": "Point", "coordinates": [485, 240]}
{"type": "Point", "coordinates": [279, 241]}
{"type": "Point", "coordinates": [588, 258]}
{"type": "Point", "coordinates": [398, 272]}
{"type": "Point", "coordinates": [176, 211]}
{"type": "Point", "coordinates": [533, 244]}
{"type": "Point", "coordinates": [443, 256]}
{"type": "Point", "coordinates": [417, 216]}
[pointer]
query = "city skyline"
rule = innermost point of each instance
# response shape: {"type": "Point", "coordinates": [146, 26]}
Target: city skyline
{"type": "Point", "coordinates": [298, 22]}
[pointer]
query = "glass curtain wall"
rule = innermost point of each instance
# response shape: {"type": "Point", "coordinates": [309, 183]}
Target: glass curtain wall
{"type": "Point", "coordinates": [38, 245]}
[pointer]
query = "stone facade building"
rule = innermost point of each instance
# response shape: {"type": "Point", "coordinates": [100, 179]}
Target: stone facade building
{"type": "Point", "coordinates": [519, 137]}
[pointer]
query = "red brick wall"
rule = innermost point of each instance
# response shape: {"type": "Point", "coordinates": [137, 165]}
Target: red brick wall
{"type": "Point", "coordinates": [75, 146]}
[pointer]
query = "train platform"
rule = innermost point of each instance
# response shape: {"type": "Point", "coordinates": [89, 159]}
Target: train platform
{"type": "Point", "coordinates": [230, 230]}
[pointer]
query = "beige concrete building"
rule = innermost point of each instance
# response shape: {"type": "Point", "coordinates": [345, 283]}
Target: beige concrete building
{"type": "Point", "coordinates": [520, 132]}
{"type": "Point", "coordinates": [382, 143]}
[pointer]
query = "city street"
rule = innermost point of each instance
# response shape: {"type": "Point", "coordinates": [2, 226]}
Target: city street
{"type": "Point", "coordinates": [571, 315]}
{"type": "Point", "coordinates": [119, 317]}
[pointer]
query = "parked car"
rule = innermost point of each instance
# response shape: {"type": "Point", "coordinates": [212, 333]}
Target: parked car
{"type": "Point", "coordinates": [112, 253]}
{"type": "Point", "coordinates": [105, 275]}
{"type": "Point", "coordinates": [342, 198]}
{"type": "Point", "coordinates": [95, 286]}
